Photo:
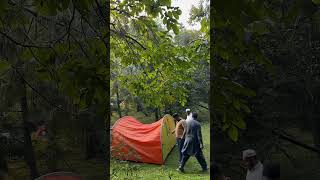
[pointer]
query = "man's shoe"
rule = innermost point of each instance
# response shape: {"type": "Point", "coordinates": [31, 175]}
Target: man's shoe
{"type": "Point", "coordinates": [180, 170]}
{"type": "Point", "coordinates": [204, 170]}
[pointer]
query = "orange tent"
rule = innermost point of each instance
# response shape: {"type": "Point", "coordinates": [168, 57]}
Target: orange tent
{"type": "Point", "coordinates": [148, 143]}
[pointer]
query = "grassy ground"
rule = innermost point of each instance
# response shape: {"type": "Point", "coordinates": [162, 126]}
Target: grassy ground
{"type": "Point", "coordinates": [141, 171]}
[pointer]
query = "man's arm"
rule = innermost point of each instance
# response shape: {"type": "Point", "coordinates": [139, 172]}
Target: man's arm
{"type": "Point", "coordinates": [184, 125]}
{"type": "Point", "coordinates": [200, 137]}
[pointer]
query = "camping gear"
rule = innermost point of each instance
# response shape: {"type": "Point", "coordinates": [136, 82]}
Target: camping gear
{"type": "Point", "coordinates": [148, 143]}
{"type": "Point", "coordinates": [60, 176]}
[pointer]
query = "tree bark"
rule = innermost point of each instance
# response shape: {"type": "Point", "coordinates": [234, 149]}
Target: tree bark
{"type": "Point", "coordinates": [139, 105]}
{"type": "Point", "coordinates": [156, 113]}
{"type": "Point", "coordinates": [29, 152]}
{"type": "Point", "coordinates": [316, 127]}
{"type": "Point", "coordinates": [3, 161]}
{"type": "Point", "coordinates": [118, 99]}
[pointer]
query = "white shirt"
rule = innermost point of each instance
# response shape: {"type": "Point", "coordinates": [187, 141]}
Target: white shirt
{"type": "Point", "coordinates": [189, 117]}
{"type": "Point", "coordinates": [255, 173]}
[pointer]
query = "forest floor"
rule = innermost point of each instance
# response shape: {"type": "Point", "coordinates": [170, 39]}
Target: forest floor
{"type": "Point", "coordinates": [92, 169]}
{"type": "Point", "coordinates": [143, 171]}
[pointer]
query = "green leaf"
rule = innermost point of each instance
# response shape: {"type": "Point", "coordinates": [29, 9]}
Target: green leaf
{"type": "Point", "coordinates": [165, 21]}
{"type": "Point", "coordinates": [225, 126]}
{"type": "Point", "coordinates": [236, 104]}
{"type": "Point", "coordinates": [4, 66]}
{"type": "Point", "coordinates": [245, 108]}
{"type": "Point", "coordinates": [233, 133]}
{"type": "Point", "coordinates": [179, 11]}
{"type": "Point", "coordinates": [165, 2]}
{"type": "Point", "coordinates": [175, 29]}
{"type": "Point", "coordinates": [26, 55]}
{"type": "Point", "coordinates": [239, 122]}
{"type": "Point", "coordinates": [176, 15]}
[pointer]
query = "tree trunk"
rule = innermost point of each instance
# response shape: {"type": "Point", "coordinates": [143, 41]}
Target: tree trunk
{"type": "Point", "coordinates": [316, 127]}
{"type": "Point", "coordinates": [139, 105]}
{"type": "Point", "coordinates": [316, 132]}
{"type": "Point", "coordinates": [118, 99]}
{"type": "Point", "coordinates": [156, 113]}
{"type": "Point", "coordinates": [3, 161]}
{"type": "Point", "coordinates": [29, 153]}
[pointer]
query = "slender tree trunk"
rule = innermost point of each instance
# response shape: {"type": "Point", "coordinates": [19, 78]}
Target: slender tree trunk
{"type": "Point", "coordinates": [3, 161]}
{"type": "Point", "coordinates": [156, 113]}
{"type": "Point", "coordinates": [118, 99]}
{"type": "Point", "coordinates": [29, 152]}
{"type": "Point", "coordinates": [139, 105]}
{"type": "Point", "coordinates": [316, 127]}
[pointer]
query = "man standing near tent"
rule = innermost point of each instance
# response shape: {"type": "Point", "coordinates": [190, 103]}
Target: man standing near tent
{"type": "Point", "coordinates": [189, 114]}
{"type": "Point", "coordinates": [179, 132]}
{"type": "Point", "coordinates": [193, 143]}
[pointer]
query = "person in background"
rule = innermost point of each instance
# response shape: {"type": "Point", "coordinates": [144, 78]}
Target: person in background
{"type": "Point", "coordinates": [193, 144]}
{"type": "Point", "coordinates": [189, 114]}
{"type": "Point", "coordinates": [179, 132]}
{"type": "Point", "coordinates": [252, 164]}
{"type": "Point", "coordinates": [271, 171]}
{"type": "Point", "coordinates": [42, 130]}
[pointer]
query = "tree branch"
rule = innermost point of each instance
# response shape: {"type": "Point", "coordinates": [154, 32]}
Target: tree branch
{"type": "Point", "coordinates": [129, 37]}
{"type": "Point", "coordinates": [19, 43]}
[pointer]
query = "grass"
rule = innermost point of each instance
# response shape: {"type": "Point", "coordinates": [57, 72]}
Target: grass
{"type": "Point", "coordinates": [143, 171]}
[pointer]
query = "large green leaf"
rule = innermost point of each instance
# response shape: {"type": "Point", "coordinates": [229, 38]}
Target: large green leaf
{"type": "Point", "coordinates": [233, 133]}
{"type": "Point", "coordinates": [239, 122]}
{"type": "Point", "coordinates": [4, 66]}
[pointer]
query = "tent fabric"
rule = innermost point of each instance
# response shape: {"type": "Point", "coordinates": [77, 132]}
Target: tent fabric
{"type": "Point", "coordinates": [60, 176]}
{"type": "Point", "coordinates": [148, 143]}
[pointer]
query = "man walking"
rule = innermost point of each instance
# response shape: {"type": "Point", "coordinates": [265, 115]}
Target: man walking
{"type": "Point", "coordinates": [179, 132]}
{"type": "Point", "coordinates": [189, 114]}
{"type": "Point", "coordinates": [193, 144]}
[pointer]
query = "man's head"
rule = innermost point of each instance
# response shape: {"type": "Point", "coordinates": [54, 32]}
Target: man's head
{"type": "Point", "coordinates": [249, 157]}
{"type": "Point", "coordinates": [271, 171]}
{"type": "Point", "coordinates": [188, 111]}
{"type": "Point", "coordinates": [176, 117]}
{"type": "Point", "coordinates": [195, 116]}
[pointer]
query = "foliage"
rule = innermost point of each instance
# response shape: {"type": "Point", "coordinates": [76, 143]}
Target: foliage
{"type": "Point", "coordinates": [149, 63]}
{"type": "Point", "coordinates": [231, 52]}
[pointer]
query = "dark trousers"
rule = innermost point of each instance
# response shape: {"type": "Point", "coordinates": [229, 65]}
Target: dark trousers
{"type": "Point", "coordinates": [199, 156]}
{"type": "Point", "coordinates": [180, 143]}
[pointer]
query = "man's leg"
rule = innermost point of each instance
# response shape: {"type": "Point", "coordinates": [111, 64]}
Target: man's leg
{"type": "Point", "coordinates": [179, 149]}
{"type": "Point", "coordinates": [201, 160]}
{"type": "Point", "coordinates": [185, 158]}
